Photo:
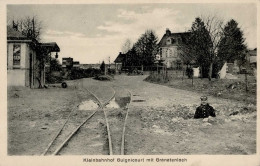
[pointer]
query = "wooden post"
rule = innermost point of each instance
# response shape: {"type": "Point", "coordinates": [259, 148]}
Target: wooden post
{"type": "Point", "coordinates": [166, 73]}
{"type": "Point", "coordinates": [246, 81]}
{"type": "Point", "coordinates": [182, 74]}
{"type": "Point", "coordinates": [105, 70]}
{"type": "Point", "coordinates": [192, 74]}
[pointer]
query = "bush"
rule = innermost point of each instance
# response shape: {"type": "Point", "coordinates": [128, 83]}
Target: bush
{"type": "Point", "coordinates": [159, 78]}
{"type": "Point", "coordinates": [83, 73]}
{"type": "Point", "coordinates": [111, 71]}
{"type": "Point", "coordinates": [52, 79]}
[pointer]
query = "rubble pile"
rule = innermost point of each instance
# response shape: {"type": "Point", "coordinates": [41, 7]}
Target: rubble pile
{"type": "Point", "coordinates": [182, 115]}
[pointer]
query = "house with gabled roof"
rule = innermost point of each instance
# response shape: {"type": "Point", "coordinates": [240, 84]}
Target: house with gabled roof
{"type": "Point", "coordinates": [26, 59]}
{"type": "Point", "coordinates": [120, 61]}
{"type": "Point", "coordinates": [169, 49]}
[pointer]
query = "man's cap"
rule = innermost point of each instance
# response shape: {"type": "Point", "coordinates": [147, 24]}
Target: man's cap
{"type": "Point", "coordinates": [203, 98]}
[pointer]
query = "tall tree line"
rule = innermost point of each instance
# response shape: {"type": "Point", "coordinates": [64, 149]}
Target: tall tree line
{"type": "Point", "coordinates": [210, 44]}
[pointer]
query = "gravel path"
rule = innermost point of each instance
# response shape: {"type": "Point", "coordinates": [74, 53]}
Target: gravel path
{"type": "Point", "coordinates": [158, 95]}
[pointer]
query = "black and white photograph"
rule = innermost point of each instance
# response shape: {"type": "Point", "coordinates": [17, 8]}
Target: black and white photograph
{"type": "Point", "coordinates": [130, 83]}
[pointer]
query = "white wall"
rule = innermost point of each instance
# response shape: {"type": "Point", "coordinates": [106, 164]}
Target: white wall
{"type": "Point", "coordinates": [170, 55]}
{"type": "Point", "coordinates": [223, 71]}
{"type": "Point", "coordinates": [21, 76]}
{"type": "Point", "coordinates": [17, 76]}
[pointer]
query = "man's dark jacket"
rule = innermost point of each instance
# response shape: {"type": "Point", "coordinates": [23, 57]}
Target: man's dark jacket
{"type": "Point", "coordinates": [204, 111]}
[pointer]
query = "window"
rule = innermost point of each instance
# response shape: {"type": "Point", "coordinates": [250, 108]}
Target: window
{"type": "Point", "coordinates": [168, 41]}
{"type": "Point", "coordinates": [17, 55]}
{"type": "Point", "coordinates": [170, 53]}
{"type": "Point", "coordinates": [173, 41]}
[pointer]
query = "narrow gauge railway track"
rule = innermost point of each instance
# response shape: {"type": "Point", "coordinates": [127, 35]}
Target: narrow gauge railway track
{"type": "Point", "coordinates": [117, 120]}
{"type": "Point", "coordinates": [65, 136]}
{"type": "Point", "coordinates": [71, 126]}
{"type": "Point", "coordinates": [111, 134]}
{"type": "Point", "coordinates": [124, 127]}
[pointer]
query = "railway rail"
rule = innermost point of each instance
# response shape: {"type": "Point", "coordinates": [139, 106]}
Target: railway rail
{"type": "Point", "coordinates": [64, 135]}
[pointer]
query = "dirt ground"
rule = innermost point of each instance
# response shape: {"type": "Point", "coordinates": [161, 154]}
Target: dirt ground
{"type": "Point", "coordinates": [222, 88]}
{"type": "Point", "coordinates": [35, 115]}
{"type": "Point", "coordinates": [160, 119]}
{"type": "Point", "coordinates": [167, 114]}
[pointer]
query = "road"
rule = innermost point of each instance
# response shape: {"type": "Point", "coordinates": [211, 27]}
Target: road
{"type": "Point", "coordinates": [157, 95]}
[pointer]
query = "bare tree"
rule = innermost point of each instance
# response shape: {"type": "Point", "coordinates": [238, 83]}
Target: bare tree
{"type": "Point", "coordinates": [126, 46]}
{"type": "Point", "coordinates": [29, 26]}
{"type": "Point", "coordinates": [202, 43]}
{"type": "Point", "coordinates": [214, 26]}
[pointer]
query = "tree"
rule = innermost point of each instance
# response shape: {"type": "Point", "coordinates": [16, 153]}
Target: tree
{"type": "Point", "coordinates": [102, 67]}
{"type": "Point", "coordinates": [202, 43]}
{"type": "Point", "coordinates": [232, 45]}
{"type": "Point", "coordinates": [55, 65]}
{"type": "Point", "coordinates": [197, 46]}
{"type": "Point", "coordinates": [126, 46]}
{"type": "Point", "coordinates": [146, 47]}
{"type": "Point", "coordinates": [215, 29]}
{"type": "Point", "coordinates": [131, 58]}
{"type": "Point", "coordinates": [29, 26]}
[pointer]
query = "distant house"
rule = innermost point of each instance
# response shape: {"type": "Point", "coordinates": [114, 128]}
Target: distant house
{"type": "Point", "coordinates": [252, 58]}
{"type": "Point", "coordinates": [169, 48]}
{"type": "Point", "coordinates": [112, 66]}
{"type": "Point", "coordinates": [26, 59]}
{"type": "Point", "coordinates": [67, 62]}
{"type": "Point", "coordinates": [76, 64]}
{"type": "Point", "coordinates": [120, 61]}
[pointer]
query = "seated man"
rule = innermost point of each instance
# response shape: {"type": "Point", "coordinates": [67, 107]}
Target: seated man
{"type": "Point", "coordinates": [204, 110]}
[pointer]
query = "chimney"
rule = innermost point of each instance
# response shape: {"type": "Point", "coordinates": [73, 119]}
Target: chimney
{"type": "Point", "coordinates": [168, 32]}
{"type": "Point", "coordinates": [120, 53]}
{"type": "Point", "coordinates": [15, 26]}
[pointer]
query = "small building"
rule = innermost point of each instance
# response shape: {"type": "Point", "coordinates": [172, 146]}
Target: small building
{"type": "Point", "coordinates": [111, 66]}
{"type": "Point", "coordinates": [67, 62]}
{"type": "Point", "coordinates": [26, 59]}
{"type": "Point", "coordinates": [119, 61]}
{"type": "Point", "coordinates": [169, 49]}
{"type": "Point", "coordinates": [76, 64]}
{"type": "Point", "coordinates": [252, 58]}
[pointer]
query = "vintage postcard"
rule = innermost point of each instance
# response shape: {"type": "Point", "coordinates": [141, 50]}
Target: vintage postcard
{"type": "Point", "coordinates": [129, 83]}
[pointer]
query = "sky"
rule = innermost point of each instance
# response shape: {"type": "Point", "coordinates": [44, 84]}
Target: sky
{"type": "Point", "coordinates": [91, 33]}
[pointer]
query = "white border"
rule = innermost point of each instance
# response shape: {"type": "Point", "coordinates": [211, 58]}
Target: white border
{"type": "Point", "coordinates": [193, 160]}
